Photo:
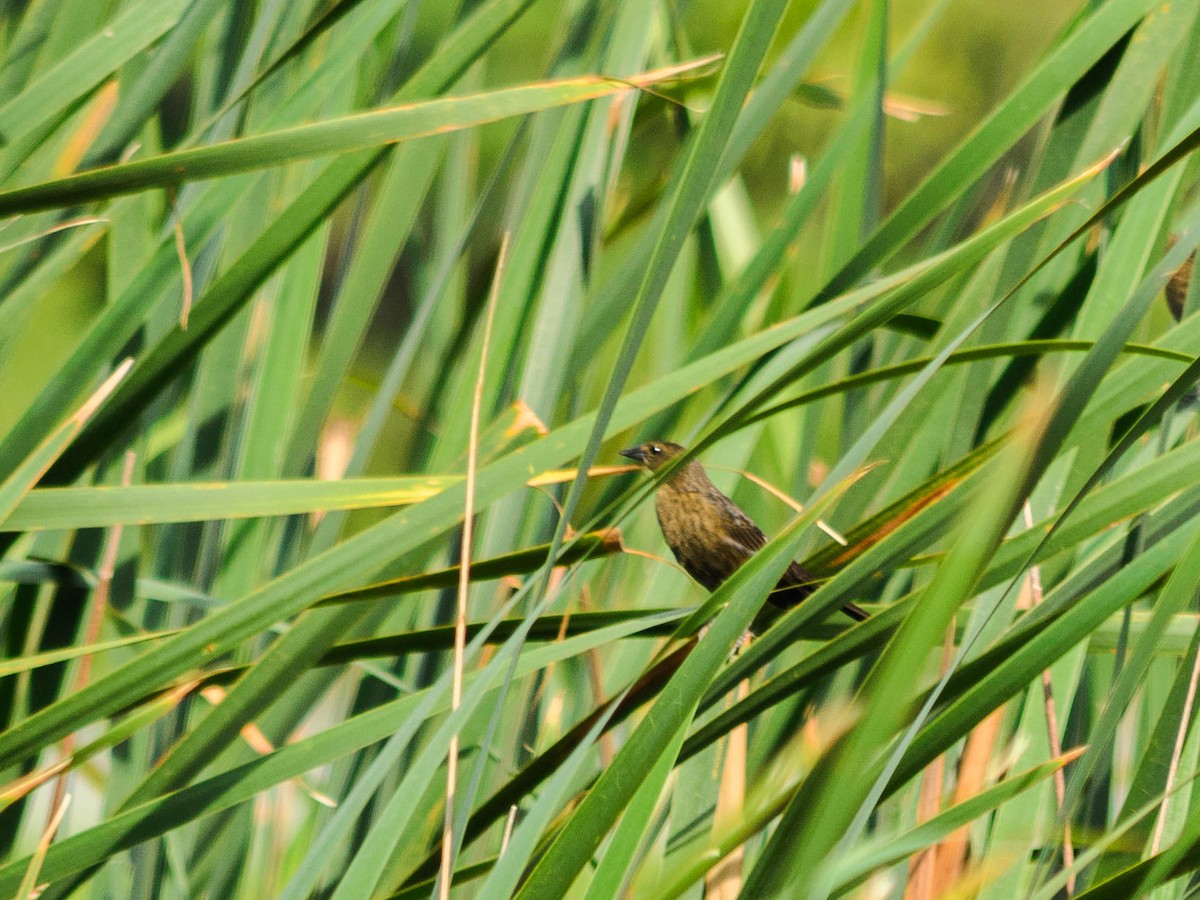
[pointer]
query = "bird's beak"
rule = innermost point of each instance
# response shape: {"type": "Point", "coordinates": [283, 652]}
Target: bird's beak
{"type": "Point", "coordinates": [634, 453]}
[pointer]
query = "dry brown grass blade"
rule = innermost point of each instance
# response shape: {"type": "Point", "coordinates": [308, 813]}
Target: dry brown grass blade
{"type": "Point", "coordinates": [20, 787]}
{"type": "Point", "coordinates": [783, 496]}
{"type": "Point", "coordinates": [1033, 589]}
{"type": "Point", "coordinates": [951, 854]}
{"type": "Point", "coordinates": [99, 111]}
{"type": "Point", "coordinates": [464, 581]}
{"type": "Point", "coordinates": [922, 868]}
{"type": "Point", "coordinates": [29, 886]}
{"type": "Point", "coordinates": [864, 544]}
{"type": "Point", "coordinates": [185, 271]}
{"type": "Point", "coordinates": [724, 880]}
{"type": "Point", "coordinates": [563, 476]}
{"type": "Point", "coordinates": [1176, 754]}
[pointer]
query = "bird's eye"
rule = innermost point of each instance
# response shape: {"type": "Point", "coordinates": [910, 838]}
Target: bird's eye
{"type": "Point", "coordinates": [654, 448]}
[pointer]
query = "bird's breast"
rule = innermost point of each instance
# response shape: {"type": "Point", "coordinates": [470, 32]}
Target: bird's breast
{"type": "Point", "coordinates": [694, 529]}
{"type": "Point", "coordinates": [685, 517]}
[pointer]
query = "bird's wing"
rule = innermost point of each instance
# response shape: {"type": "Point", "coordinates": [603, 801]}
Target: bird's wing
{"type": "Point", "coordinates": [748, 536]}
{"type": "Point", "coordinates": [742, 533]}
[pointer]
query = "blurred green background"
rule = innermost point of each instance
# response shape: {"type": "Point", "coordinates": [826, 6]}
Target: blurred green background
{"type": "Point", "coordinates": [975, 54]}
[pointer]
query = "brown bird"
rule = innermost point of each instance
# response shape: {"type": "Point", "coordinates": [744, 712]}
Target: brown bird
{"type": "Point", "coordinates": [707, 532]}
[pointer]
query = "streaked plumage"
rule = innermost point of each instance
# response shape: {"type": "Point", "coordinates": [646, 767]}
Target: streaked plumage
{"type": "Point", "coordinates": [707, 532]}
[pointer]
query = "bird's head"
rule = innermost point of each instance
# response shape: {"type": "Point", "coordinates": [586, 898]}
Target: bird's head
{"type": "Point", "coordinates": [653, 455]}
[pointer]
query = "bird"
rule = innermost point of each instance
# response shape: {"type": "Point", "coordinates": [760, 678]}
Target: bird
{"type": "Point", "coordinates": [709, 535]}
{"type": "Point", "coordinates": [1181, 280]}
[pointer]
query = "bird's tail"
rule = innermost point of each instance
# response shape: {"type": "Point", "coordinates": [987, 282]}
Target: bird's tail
{"type": "Point", "coordinates": [856, 612]}
{"type": "Point", "coordinates": [797, 584]}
